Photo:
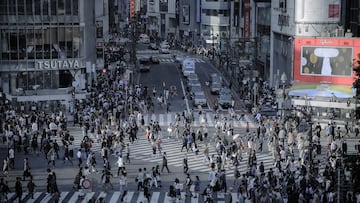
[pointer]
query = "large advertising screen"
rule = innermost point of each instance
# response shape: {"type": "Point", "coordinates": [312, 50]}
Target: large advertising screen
{"type": "Point", "coordinates": [329, 60]}
{"type": "Point", "coordinates": [326, 61]}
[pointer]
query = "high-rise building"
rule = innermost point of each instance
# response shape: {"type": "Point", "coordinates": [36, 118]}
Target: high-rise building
{"type": "Point", "coordinates": [46, 47]}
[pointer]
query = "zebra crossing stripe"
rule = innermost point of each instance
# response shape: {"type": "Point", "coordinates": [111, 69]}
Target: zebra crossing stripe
{"type": "Point", "coordinates": [43, 197]}
{"type": "Point", "coordinates": [115, 197]}
{"type": "Point", "coordinates": [88, 196]}
{"type": "Point", "coordinates": [47, 198]}
{"type": "Point", "coordinates": [141, 198]}
{"type": "Point", "coordinates": [166, 119]}
{"type": "Point", "coordinates": [169, 117]}
{"type": "Point", "coordinates": [74, 197]}
{"type": "Point", "coordinates": [36, 195]}
{"type": "Point", "coordinates": [128, 197]}
{"type": "Point", "coordinates": [155, 197]}
{"type": "Point", "coordinates": [62, 196]}
{"type": "Point", "coordinates": [209, 120]}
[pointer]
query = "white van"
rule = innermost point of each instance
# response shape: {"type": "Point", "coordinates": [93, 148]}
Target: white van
{"type": "Point", "coordinates": [188, 67]}
{"type": "Point", "coordinates": [144, 38]}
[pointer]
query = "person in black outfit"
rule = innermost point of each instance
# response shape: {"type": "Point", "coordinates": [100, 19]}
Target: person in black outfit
{"type": "Point", "coordinates": [184, 143]}
{"type": "Point", "coordinates": [18, 189]}
{"type": "Point", "coordinates": [185, 163]}
{"type": "Point", "coordinates": [164, 163]}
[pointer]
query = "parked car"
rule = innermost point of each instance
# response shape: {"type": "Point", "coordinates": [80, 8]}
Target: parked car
{"type": "Point", "coordinates": [195, 88]}
{"type": "Point", "coordinates": [215, 83]}
{"type": "Point", "coordinates": [165, 44]}
{"type": "Point", "coordinates": [194, 83]}
{"type": "Point", "coordinates": [164, 50]}
{"type": "Point", "coordinates": [188, 67]}
{"type": "Point", "coordinates": [225, 101]}
{"type": "Point", "coordinates": [154, 60]}
{"type": "Point", "coordinates": [200, 99]}
{"type": "Point", "coordinates": [144, 38]}
{"type": "Point", "coordinates": [192, 76]}
{"type": "Point", "coordinates": [153, 46]}
{"type": "Point", "coordinates": [144, 64]}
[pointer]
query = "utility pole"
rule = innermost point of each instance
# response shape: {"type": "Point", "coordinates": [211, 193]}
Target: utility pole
{"type": "Point", "coordinates": [133, 58]}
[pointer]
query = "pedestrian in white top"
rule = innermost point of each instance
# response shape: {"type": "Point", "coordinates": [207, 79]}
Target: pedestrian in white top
{"type": "Point", "coordinates": [120, 163]}
{"type": "Point", "coordinates": [11, 158]}
{"type": "Point", "coordinates": [78, 155]}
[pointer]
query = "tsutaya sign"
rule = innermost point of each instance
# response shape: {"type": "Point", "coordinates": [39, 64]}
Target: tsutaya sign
{"type": "Point", "coordinates": [62, 64]}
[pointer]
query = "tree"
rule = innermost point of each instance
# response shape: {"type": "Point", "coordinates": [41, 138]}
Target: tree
{"type": "Point", "coordinates": [356, 85]}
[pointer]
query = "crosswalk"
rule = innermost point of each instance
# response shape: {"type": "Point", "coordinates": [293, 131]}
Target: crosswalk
{"type": "Point", "coordinates": [172, 60]}
{"type": "Point", "coordinates": [141, 149]}
{"type": "Point", "coordinates": [115, 197]}
{"type": "Point", "coordinates": [166, 118]}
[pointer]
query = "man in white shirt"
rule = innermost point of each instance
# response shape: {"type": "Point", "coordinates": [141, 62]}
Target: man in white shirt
{"type": "Point", "coordinates": [78, 155]}
{"type": "Point", "coordinates": [12, 158]}
{"type": "Point", "coordinates": [120, 163]}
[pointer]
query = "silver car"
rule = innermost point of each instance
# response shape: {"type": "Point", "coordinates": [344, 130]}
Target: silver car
{"type": "Point", "coordinates": [200, 99]}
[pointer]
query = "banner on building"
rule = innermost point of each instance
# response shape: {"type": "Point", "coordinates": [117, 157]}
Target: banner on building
{"type": "Point", "coordinates": [247, 13]}
{"type": "Point", "coordinates": [186, 14]}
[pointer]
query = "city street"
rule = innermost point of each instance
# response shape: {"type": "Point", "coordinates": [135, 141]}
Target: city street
{"type": "Point", "coordinates": [161, 76]}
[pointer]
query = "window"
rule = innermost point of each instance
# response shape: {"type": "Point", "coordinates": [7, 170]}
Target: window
{"type": "Point", "coordinates": [186, 14]}
{"type": "Point", "coordinates": [75, 7]}
{"type": "Point", "coordinates": [37, 7]}
{"type": "Point", "coordinates": [29, 7]}
{"type": "Point", "coordinates": [282, 5]}
{"type": "Point", "coordinates": [163, 6]}
{"type": "Point", "coordinates": [12, 7]}
{"type": "Point", "coordinates": [53, 8]}
{"type": "Point", "coordinates": [61, 7]}
{"type": "Point", "coordinates": [21, 7]}
{"type": "Point", "coordinates": [45, 7]}
{"type": "Point", "coordinates": [68, 7]}
{"type": "Point", "coordinates": [3, 9]}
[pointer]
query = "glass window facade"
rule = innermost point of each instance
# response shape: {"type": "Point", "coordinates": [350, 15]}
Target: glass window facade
{"type": "Point", "coordinates": [40, 43]}
{"type": "Point", "coordinates": [34, 30]}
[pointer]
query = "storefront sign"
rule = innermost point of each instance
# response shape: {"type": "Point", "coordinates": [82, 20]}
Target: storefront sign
{"type": "Point", "coordinates": [247, 12]}
{"type": "Point", "coordinates": [58, 64]}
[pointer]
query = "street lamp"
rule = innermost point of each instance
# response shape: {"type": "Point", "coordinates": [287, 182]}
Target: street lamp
{"type": "Point", "coordinates": [283, 81]}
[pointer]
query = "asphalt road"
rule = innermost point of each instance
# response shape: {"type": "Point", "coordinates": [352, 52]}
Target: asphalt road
{"type": "Point", "coordinates": [168, 73]}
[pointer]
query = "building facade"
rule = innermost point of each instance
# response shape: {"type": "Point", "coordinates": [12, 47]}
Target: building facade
{"type": "Point", "coordinates": [46, 47]}
{"type": "Point", "coordinates": [162, 19]}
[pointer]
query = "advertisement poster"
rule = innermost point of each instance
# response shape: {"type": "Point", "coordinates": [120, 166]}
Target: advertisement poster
{"type": "Point", "coordinates": [247, 11]}
{"type": "Point", "coordinates": [325, 60]}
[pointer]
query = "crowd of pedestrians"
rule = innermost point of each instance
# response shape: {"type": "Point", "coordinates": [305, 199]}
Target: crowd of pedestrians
{"type": "Point", "coordinates": [112, 118]}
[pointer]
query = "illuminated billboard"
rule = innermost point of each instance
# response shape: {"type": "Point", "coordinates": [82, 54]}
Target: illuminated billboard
{"type": "Point", "coordinates": [326, 61]}
{"type": "Point", "coordinates": [329, 60]}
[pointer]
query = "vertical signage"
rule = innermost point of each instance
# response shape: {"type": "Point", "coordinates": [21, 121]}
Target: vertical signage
{"type": "Point", "coordinates": [246, 18]}
{"type": "Point", "coordinates": [132, 8]}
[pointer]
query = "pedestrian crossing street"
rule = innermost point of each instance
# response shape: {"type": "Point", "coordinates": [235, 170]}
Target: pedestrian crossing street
{"type": "Point", "coordinates": [115, 197]}
{"type": "Point", "coordinates": [166, 118]}
{"type": "Point", "coordinates": [141, 149]}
